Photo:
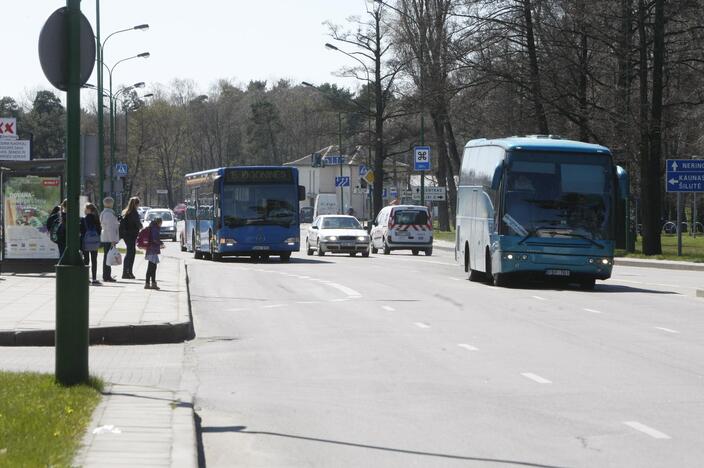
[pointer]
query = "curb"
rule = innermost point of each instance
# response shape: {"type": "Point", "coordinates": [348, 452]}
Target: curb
{"type": "Point", "coordinates": [172, 332]}
{"type": "Point", "coordinates": [620, 261]}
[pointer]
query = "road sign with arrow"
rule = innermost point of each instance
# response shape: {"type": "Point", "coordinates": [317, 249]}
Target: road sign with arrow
{"type": "Point", "coordinates": [685, 175]}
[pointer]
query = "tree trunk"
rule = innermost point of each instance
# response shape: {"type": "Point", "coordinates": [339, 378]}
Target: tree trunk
{"type": "Point", "coordinates": [442, 169]}
{"type": "Point", "coordinates": [583, 72]}
{"type": "Point", "coordinates": [541, 120]}
{"type": "Point", "coordinates": [378, 188]}
{"type": "Point", "coordinates": [623, 91]}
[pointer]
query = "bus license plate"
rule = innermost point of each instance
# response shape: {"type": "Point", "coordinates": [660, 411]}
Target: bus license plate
{"type": "Point", "coordinates": [260, 247]}
{"type": "Point", "coordinates": [557, 272]}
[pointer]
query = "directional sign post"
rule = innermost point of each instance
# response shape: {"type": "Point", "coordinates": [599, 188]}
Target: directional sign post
{"type": "Point", "coordinates": [683, 176]}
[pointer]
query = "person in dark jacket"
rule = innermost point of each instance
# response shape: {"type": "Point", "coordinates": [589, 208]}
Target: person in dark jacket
{"type": "Point", "coordinates": [129, 230]}
{"type": "Point", "coordinates": [90, 223]}
{"type": "Point", "coordinates": [152, 253]}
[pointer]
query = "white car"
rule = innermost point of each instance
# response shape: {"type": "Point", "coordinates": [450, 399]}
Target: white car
{"type": "Point", "coordinates": [168, 221]}
{"type": "Point", "coordinates": [403, 227]}
{"type": "Point", "coordinates": [337, 234]}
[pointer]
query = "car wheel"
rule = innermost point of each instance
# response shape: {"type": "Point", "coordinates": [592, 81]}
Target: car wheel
{"type": "Point", "coordinates": [414, 251]}
{"type": "Point", "coordinates": [374, 250]}
{"type": "Point", "coordinates": [365, 253]}
{"type": "Point", "coordinates": [387, 249]}
{"type": "Point", "coordinates": [309, 251]}
{"type": "Point", "coordinates": [475, 276]}
{"type": "Point", "coordinates": [352, 254]}
{"type": "Point", "coordinates": [321, 253]}
{"type": "Point", "coordinates": [429, 252]}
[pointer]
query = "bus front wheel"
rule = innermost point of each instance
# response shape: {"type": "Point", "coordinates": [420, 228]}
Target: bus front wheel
{"type": "Point", "coordinates": [587, 284]}
{"type": "Point", "coordinates": [286, 257]}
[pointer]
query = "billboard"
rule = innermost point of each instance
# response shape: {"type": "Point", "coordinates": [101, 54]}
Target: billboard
{"type": "Point", "coordinates": [27, 202]}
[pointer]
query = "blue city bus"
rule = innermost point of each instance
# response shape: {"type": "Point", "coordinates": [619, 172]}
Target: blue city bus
{"type": "Point", "coordinates": [242, 211]}
{"type": "Point", "coordinates": [537, 207]}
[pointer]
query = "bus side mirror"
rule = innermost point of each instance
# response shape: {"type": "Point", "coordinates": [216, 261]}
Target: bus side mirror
{"type": "Point", "coordinates": [623, 183]}
{"type": "Point", "coordinates": [301, 193]}
{"type": "Point", "coordinates": [496, 180]}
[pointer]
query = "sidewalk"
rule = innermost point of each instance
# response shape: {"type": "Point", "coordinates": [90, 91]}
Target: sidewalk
{"type": "Point", "coordinates": [120, 313]}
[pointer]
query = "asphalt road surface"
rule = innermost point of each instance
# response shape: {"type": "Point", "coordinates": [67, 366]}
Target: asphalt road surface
{"type": "Point", "coordinates": [400, 361]}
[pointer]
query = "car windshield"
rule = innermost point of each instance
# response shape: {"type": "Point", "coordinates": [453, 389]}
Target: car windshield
{"type": "Point", "coordinates": [244, 205]}
{"type": "Point", "coordinates": [411, 217]}
{"type": "Point", "coordinates": [340, 222]}
{"type": "Point", "coordinates": [164, 215]}
{"type": "Point", "coordinates": [558, 196]}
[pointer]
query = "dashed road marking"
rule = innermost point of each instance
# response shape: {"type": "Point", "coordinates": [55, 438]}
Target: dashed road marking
{"type": "Point", "coordinates": [345, 289]}
{"type": "Point", "coordinates": [273, 306]}
{"type": "Point", "coordinates": [536, 378]}
{"type": "Point", "coordinates": [453, 278]}
{"type": "Point", "coordinates": [593, 311]}
{"type": "Point", "coordinates": [668, 330]}
{"type": "Point", "coordinates": [539, 298]}
{"type": "Point", "coordinates": [341, 300]}
{"type": "Point", "coordinates": [468, 347]}
{"type": "Point", "coordinates": [307, 302]}
{"type": "Point", "coordinates": [654, 433]}
{"type": "Point", "coordinates": [422, 325]}
{"type": "Point", "coordinates": [388, 308]}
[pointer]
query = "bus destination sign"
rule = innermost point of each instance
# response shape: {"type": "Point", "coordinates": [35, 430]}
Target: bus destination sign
{"type": "Point", "coordinates": [259, 176]}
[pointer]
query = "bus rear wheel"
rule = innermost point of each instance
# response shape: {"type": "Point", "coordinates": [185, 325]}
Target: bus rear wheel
{"type": "Point", "coordinates": [285, 258]}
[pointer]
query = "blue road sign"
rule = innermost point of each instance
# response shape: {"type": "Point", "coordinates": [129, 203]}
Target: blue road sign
{"type": "Point", "coordinates": [421, 158]}
{"type": "Point", "coordinates": [384, 193]}
{"type": "Point", "coordinates": [334, 160]}
{"type": "Point", "coordinates": [342, 181]}
{"type": "Point", "coordinates": [363, 170]}
{"type": "Point", "coordinates": [121, 169]}
{"type": "Point", "coordinates": [685, 175]}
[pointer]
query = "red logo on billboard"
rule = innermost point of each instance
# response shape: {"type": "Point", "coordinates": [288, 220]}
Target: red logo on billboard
{"type": "Point", "coordinates": [51, 182]}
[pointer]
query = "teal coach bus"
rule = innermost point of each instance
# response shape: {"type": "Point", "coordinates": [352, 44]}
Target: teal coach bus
{"type": "Point", "coordinates": [242, 211]}
{"type": "Point", "coordinates": [537, 207]}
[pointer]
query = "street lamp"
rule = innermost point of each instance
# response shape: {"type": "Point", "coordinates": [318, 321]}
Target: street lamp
{"type": "Point", "coordinates": [144, 55]}
{"type": "Point", "coordinates": [100, 55]}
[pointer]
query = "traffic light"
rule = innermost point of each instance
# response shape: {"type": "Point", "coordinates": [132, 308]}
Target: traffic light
{"type": "Point", "coordinates": [316, 160]}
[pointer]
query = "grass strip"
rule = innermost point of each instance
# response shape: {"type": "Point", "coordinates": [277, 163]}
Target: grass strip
{"type": "Point", "coordinates": [42, 422]}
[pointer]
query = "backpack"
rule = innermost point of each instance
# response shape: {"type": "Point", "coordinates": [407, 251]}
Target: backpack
{"type": "Point", "coordinates": [53, 224]}
{"type": "Point", "coordinates": [122, 230]}
{"type": "Point", "coordinates": [143, 240]}
{"type": "Point", "coordinates": [91, 239]}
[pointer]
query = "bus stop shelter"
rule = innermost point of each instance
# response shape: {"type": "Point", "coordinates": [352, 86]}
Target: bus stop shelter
{"type": "Point", "coordinates": [29, 190]}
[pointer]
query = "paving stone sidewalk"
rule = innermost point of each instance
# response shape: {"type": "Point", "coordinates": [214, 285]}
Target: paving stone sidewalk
{"type": "Point", "coordinates": [144, 418]}
{"type": "Point", "coordinates": [120, 313]}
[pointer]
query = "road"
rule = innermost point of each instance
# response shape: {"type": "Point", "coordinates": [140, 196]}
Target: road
{"type": "Point", "coordinates": [399, 361]}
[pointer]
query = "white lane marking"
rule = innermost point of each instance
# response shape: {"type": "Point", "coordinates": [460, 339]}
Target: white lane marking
{"type": "Point", "coordinates": [388, 308]}
{"type": "Point", "coordinates": [535, 378]}
{"type": "Point", "coordinates": [345, 289]}
{"type": "Point", "coordinates": [307, 302]}
{"type": "Point", "coordinates": [539, 298]}
{"type": "Point", "coordinates": [304, 277]}
{"type": "Point", "coordinates": [593, 311]}
{"type": "Point", "coordinates": [341, 300]}
{"type": "Point", "coordinates": [453, 278]}
{"type": "Point", "coordinates": [646, 430]}
{"type": "Point", "coordinates": [468, 347]}
{"type": "Point", "coordinates": [668, 330]}
{"type": "Point", "coordinates": [273, 306]}
{"type": "Point", "coordinates": [422, 325]}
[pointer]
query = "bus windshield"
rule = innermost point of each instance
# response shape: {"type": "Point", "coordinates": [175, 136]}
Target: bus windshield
{"type": "Point", "coordinates": [559, 196]}
{"type": "Point", "coordinates": [244, 205]}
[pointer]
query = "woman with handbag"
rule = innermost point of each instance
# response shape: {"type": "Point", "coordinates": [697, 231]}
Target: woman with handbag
{"type": "Point", "coordinates": [130, 225]}
{"type": "Point", "coordinates": [109, 237]}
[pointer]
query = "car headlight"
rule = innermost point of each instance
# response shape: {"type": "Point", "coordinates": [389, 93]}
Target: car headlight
{"type": "Point", "coordinates": [331, 238]}
{"type": "Point", "coordinates": [363, 238]}
{"type": "Point", "coordinates": [291, 240]}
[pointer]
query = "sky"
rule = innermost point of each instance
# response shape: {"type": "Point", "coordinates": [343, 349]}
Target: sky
{"type": "Point", "coordinates": [202, 40]}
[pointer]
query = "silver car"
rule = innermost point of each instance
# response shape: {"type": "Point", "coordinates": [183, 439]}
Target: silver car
{"type": "Point", "coordinates": [337, 234]}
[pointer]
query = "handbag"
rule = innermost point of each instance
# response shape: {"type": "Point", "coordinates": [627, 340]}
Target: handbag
{"type": "Point", "coordinates": [114, 257]}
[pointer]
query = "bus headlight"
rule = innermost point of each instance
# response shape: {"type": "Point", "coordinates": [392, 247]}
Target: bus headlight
{"type": "Point", "coordinates": [605, 261]}
{"type": "Point", "coordinates": [227, 241]}
{"type": "Point", "coordinates": [291, 240]}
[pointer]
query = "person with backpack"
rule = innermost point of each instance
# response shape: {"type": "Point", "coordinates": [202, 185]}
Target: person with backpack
{"type": "Point", "coordinates": [130, 225]}
{"type": "Point", "coordinates": [150, 239]}
{"type": "Point", "coordinates": [110, 235]}
{"type": "Point", "coordinates": [90, 239]}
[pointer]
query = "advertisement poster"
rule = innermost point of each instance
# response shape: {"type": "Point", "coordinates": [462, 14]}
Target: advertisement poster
{"type": "Point", "coordinates": [27, 204]}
